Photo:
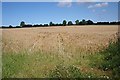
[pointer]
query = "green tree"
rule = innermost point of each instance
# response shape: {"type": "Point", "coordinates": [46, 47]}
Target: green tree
{"type": "Point", "coordinates": [50, 24]}
{"type": "Point", "coordinates": [89, 22]}
{"type": "Point", "coordinates": [10, 26]}
{"type": "Point", "coordinates": [83, 22]}
{"type": "Point", "coordinates": [64, 22]}
{"type": "Point", "coordinates": [22, 24]}
{"type": "Point", "coordinates": [45, 24]}
{"type": "Point", "coordinates": [70, 23]}
{"type": "Point", "coordinates": [77, 22]}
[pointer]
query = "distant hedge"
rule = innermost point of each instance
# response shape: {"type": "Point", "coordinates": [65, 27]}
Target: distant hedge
{"type": "Point", "coordinates": [64, 23]}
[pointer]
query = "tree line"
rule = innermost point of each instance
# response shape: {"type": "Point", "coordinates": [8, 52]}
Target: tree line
{"type": "Point", "coordinates": [64, 23]}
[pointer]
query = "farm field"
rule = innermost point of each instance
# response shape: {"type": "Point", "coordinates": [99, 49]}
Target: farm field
{"type": "Point", "coordinates": [50, 52]}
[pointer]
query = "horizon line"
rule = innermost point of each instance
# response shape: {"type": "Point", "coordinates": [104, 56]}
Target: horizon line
{"type": "Point", "coordinates": [56, 23]}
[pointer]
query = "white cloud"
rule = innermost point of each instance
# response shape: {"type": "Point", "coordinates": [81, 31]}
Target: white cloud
{"type": "Point", "coordinates": [99, 5]}
{"type": "Point", "coordinates": [85, 0]}
{"type": "Point", "coordinates": [68, 3]}
{"type": "Point", "coordinates": [65, 3]}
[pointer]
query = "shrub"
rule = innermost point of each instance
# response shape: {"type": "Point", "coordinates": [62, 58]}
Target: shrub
{"type": "Point", "coordinates": [65, 72]}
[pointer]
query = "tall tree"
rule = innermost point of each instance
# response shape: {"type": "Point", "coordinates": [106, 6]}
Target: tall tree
{"type": "Point", "coordinates": [22, 24]}
{"type": "Point", "coordinates": [10, 26]}
{"type": "Point", "coordinates": [89, 22]}
{"type": "Point", "coordinates": [70, 23]}
{"type": "Point", "coordinates": [50, 24]}
{"type": "Point", "coordinates": [84, 22]}
{"type": "Point", "coordinates": [77, 22]}
{"type": "Point", "coordinates": [64, 22]}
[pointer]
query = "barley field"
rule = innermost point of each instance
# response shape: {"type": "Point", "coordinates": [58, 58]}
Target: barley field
{"type": "Point", "coordinates": [63, 51]}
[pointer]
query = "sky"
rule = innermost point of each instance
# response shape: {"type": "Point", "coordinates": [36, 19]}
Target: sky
{"type": "Point", "coordinates": [60, 0]}
{"type": "Point", "coordinates": [44, 12]}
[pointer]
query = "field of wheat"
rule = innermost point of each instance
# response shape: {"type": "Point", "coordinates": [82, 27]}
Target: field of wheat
{"type": "Point", "coordinates": [55, 51]}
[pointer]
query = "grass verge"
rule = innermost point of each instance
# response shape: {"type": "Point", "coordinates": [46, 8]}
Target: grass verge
{"type": "Point", "coordinates": [108, 59]}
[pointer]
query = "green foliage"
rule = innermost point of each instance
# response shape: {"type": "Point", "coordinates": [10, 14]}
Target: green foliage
{"type": "Point", "coordinates": [22, 23]}
{"type": "Point", "coordinates": [40, 64]}
{"type": "Point", "coordinates": [50, 24]}
{"type": "Point", "coordinates": [10, 26]}
{"type": "Point", "coordinates": [77, 22]}
{"type": "Point", "coordinates": [108, 59]}
{"type": "Point", "coordinates": [65, 72]}
{"type": "Point", "coordinates": [70, 23]}
{"type": "Point", "coordinates": [112, 59]}
{"type": "Point", "coordinates": [17, 26]}
{"type": "Point", "coordinates": [89, 22]}
{"type": "Point", "coordinates": [64, 22]}
{"type": "Point", "coordinates": [45, 24]}
{"type": "Point", "coordinates": [12, 63]}
{"type": "Point", "coordinates": [83, 22]}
